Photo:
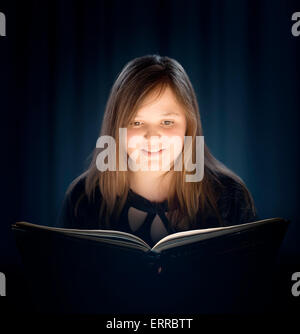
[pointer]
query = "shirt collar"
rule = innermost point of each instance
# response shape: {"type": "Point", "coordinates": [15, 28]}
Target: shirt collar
{"type": "Point", "coordinates": [142, 203]}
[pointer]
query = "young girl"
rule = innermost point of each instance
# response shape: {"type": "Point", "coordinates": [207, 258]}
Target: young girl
{"type": "Point", "coordinates": [152, 99]}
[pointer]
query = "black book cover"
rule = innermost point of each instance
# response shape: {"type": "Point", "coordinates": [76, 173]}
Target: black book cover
{"type": "Point", "coordinates": [221, 274]}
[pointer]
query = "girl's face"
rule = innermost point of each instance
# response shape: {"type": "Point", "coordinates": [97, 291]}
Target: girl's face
{"type": "Point", "coordinates": [156, 135]}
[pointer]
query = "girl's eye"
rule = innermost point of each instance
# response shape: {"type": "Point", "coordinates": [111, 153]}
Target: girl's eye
{"type": "Point", "coordinates": [135, 123]}
{"type": "Point", "coordinates": [168, 123]}
{"type": "Point", "coordinates": [138, 123]}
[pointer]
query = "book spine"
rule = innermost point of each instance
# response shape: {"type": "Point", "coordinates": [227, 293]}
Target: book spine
{"type": "Point", "coordinates": [154, 261]}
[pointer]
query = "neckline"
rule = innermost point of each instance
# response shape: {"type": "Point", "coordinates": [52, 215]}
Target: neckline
{"type": "Point", "coordinates": [140, 202]}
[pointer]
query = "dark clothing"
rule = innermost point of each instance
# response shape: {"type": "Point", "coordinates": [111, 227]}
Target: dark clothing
{"type": "Point", "coordinates": [231, 205]}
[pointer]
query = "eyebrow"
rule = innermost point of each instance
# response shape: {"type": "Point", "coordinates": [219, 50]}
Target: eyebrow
{"type": "Point", "coordinates": [170, 113]}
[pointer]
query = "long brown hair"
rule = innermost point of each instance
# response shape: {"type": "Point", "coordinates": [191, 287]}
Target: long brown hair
{"type": "Point", "coordinates": [138, 78]}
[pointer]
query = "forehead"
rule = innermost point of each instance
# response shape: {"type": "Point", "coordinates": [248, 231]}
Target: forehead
{"type": "Point", "coordinates": [164, 104]}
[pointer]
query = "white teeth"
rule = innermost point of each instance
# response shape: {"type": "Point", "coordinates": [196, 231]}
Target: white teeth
{"type": "Point", "coordinates": [153, 151]}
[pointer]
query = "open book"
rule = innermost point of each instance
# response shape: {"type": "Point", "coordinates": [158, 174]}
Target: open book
{"type": "Point", "coordinates": [108, 271]}
{"type": "Point", "coordinates": [173, 240]}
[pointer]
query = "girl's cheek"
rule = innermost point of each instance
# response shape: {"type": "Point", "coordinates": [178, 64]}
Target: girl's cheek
{"type": "Point", "coordinates": [134, 132]}
{"type": "Point", "coordinates": [135, 143]}
{"type": "Point", "coordinates": [175, 132]}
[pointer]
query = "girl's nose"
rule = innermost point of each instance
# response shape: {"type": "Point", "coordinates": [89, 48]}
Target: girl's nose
{"type": "Point", "coordinates": [152, 132]}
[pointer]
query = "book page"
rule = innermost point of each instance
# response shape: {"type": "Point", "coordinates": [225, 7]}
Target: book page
{"type": "Point", "coordinates": [199, 234]}
{"type": "Point", "coordinates": [112, 234]}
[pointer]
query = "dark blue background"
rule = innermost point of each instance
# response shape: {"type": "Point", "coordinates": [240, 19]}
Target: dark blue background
{"type": "Point", "coordinates": [60, 59]}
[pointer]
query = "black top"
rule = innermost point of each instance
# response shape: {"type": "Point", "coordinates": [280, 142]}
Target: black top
{"type": "Point", "coordinates": [148, 219]}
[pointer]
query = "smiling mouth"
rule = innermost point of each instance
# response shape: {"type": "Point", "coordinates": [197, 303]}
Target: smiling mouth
{"type": "Point", "coordinates": [151, 153]}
